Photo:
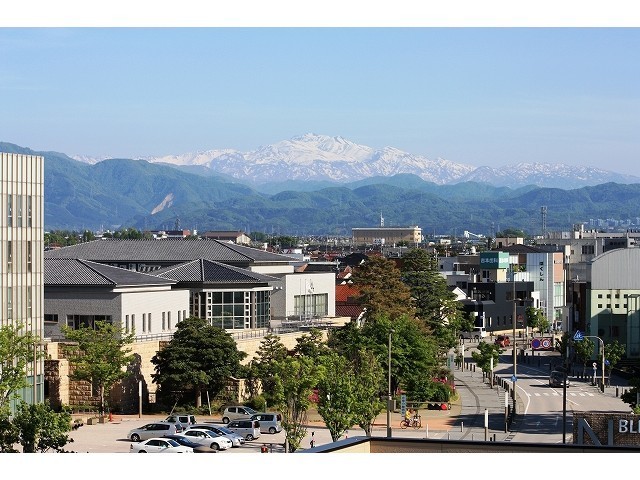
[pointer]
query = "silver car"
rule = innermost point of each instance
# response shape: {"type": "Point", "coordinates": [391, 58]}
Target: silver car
{"type": "Point", "coordinates": [236, 439]}
{"type": "Point", "coordinates": [207, 438]}
{"type": "Point", "coordinates": [156, 429]}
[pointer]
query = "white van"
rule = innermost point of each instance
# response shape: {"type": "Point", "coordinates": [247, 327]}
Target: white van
{"type": "Point", "coordinates": [269, 422]}
{"type": "Point", "coordinates": [249, 429]}
{"type": "Point", "coordinates": [476, 334]}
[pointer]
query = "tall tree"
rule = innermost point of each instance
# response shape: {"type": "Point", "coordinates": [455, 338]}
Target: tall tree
{"type": "Point", "coordinates": [382, 290]}
{"type": "Point", "coordinates": [485, 354]}
{"type": "Point", "coordinates": [198, 357]}
{"type": "Point", "coordinates": [613, 352]}
{"type": "Point", "coordinates": [584, 351]}
{"type": "Point", "coordinates": [99, 355]}
{"type": "Point", "coordinates": [337, 395]}
{"type": "Point", "coordinates": [17, 349]}
{"type": "Point", "coordinates": [370, 380]}
{"type": "Point", "coordinates": [295, 381]}
{"type": "Point", "coordinates": [269, 353]}
{"type": "Point", "coordinates": [436, 305]}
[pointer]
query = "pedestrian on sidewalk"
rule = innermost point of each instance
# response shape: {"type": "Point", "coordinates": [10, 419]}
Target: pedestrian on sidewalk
{"type": "Point", "coordinates": [313, 440]}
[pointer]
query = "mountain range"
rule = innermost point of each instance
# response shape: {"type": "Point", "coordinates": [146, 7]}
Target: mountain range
{"type": "Point", "coordinates": [117, 193]}
{"type": "Point", "coordinates": [311, 161]}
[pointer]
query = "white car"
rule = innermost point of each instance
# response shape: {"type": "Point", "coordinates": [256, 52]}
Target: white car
{"type": "Point", "coordinates": [159, 445]}
{"type": "Point", "coordinates": [207, 438]}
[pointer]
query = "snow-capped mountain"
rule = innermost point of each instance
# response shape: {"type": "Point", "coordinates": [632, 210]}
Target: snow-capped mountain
{"type": "Point", "coordinates": [336, 159]}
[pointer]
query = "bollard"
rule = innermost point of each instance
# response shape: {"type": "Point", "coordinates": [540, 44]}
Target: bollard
{"type": "Point", "coordinates": [616, 390]}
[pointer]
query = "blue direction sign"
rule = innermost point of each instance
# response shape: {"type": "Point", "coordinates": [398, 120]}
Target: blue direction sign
{"type": "Point", "coordinates": [513, 378]}
{"type": "Point", "coordinates": [578, 336]}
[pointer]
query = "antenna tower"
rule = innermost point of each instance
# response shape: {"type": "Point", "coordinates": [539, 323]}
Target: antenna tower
{"type": "Point", "coordinates": [543, 211]}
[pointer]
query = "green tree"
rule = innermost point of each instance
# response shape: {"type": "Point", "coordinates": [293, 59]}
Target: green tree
{"type": "Point", "coordinates": [99, 355]}
{"type": "Point", "coordinates": [9, 434]}
{"type": "Point", "coordinates": [613, 352]}
{"type": "Point", "coordinates": [484, 353]}
{"type": "Point", "coordinates": [536, 319]}
{"type": "Point", "coordinates": [435, 304]}
{"type": "Point", "coordinates": [370, 380]}
{"type": "Point", "coordinates": [269, 353]}
{"type": "Point", "coordinates": [311, 345]}
{"type": "Point", "coordinates": [16, 351]}
{"type": "Point", "coordinates": [337, 395]}
{"type": "Point", "coordinates": [40, 429]}
{"type": "Point", "coordinates": [631, 395]}
{"type": "Point", "coordinates": [198, 357]}
{"type": "Point", "coordinates": [382, 290]}
{"type": "Point", "coordinates": [295, 381]}
{"type": "Point", "coordinates": [584, 351]}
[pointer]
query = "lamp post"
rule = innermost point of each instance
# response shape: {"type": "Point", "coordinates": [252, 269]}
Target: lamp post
{"type": "Point", "coordinates": [389, 389]}
{"type": "Point", "coordinates": [602, 350]}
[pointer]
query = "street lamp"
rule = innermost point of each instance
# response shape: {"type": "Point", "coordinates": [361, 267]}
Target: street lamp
{"type": "Point", "coordinates": [602, 350]}
{"type": "Point", "coordinates": [389, 389]}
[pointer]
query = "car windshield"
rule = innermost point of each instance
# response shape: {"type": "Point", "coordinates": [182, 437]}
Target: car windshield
{"type": "Point", "coordinates": [224, 430]}
{"type": "Point", "coordinates": [173, 443]}
{"type": "Point", "coordinates": [250, 410]}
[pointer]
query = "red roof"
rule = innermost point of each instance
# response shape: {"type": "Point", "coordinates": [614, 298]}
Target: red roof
{"type": "Point", "coordinates": [344, 293]}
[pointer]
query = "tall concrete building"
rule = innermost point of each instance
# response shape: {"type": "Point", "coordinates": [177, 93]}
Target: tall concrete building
{"type": "Point", "coordinates": [21, 254]}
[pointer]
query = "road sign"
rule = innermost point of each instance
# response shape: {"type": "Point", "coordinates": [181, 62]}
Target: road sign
{"type": "Point", "coordinates": [595, 365]}
{"type": "Point", "coordinates": [546, 343]}
{"type": "Point", "coordinates": [535, 343]}
{"type": "Point", "coordinates": [578, 336]}
{"type": "Point", "coordinates": [513, 378]}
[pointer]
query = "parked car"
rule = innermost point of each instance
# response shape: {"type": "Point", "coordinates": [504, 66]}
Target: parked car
{"type": "Point", "coordinates": [502, 340]}
{"type": "Point", "coordinates": [197, 448]}
{"type": "Point", "coordinates": [269, 422]}
{"type": "Point", "coordinates": [159, 445]}
{"type": "Point", "coordinates": [237, 412]}
{"type": "Point", "coordinates": [184, 418]}
{"type": "Point", "coordinates": [476, 334]}
{"type": "Point", "coordinates": [556, 378]}
{"type": "Point", "coordinates": [249, 429]}
{"type": "Point", "coordinates": [236, 439]}
{"type": "Point", "coordinates": [156, 429]}
{"type": "Point", "coordinates": [207, 438]}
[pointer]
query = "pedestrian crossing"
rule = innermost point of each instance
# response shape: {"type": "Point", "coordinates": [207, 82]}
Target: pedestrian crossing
{"type": "Point", "coordinates": [558, 394]}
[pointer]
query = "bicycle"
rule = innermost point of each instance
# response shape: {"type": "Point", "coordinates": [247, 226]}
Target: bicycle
{"type": "Point", "coordinates": [413, 422]}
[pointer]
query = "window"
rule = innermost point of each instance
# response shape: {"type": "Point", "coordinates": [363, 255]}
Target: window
{"type": "Point", "coordinates": [29, 262]}
{"type": "Point", "coordinates": [29, 303]}
{"type": "Point", "coordinates": [133, 322]}
{"type": "Point", "coordinates": [169, 320]}
{"type": "Point", "coordinates": [9, 256]}
{"type": "Point", "coordinates": [29, 211]}
{"type": "Point", "coordinates": [144, 322]}
{"type": "Point", "coordinates": [50, 318]}
{"type": "Point", "coordinates": [164, 320]}
{"type": "Point", "coordinates": [149, 324]}
{"type": "Point", "coordinates": [19, 205]}
{"type": "Point", "coordinates": [9, 210]}
{"type": "Point", "coordinates": [126, 323]}
{"type": "Point", "coordinates": [9, 303]}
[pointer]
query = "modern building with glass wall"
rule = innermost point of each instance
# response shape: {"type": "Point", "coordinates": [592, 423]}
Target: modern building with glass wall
{"type": "Point", "coordinates": [21, 247]}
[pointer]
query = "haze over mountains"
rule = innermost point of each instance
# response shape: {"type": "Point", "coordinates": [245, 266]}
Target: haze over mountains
{"type": "Point", "coordinates": [118, 193]}
{"type": "Point", "coordinates": [336, 160]}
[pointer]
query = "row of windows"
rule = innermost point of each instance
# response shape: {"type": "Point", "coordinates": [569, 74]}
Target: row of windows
{"type": "Point", "coordinates": [29, 255]}
{"type": "Point", "coordinates": [147, 325]}
{"type": "Point", "coordinates": [15, 209]}
{"type": "Point", "coordinates": [24, 296]}
{"type": "Point", "coordinates": [617, 295]}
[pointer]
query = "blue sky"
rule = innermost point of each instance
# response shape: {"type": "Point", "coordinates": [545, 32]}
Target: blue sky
{"type": "Point", "coordinates": [479, 96]}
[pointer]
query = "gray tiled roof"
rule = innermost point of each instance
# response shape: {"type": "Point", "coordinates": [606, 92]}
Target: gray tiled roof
{"type": "Point", "coordinates": [71, 271]}
{"type": "Point", "coordinates": [167, 251]}
{"type": "Point", "coordinates": [211, 272]}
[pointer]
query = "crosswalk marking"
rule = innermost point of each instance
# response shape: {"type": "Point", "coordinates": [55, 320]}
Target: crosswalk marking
{"type": "Point", "coordinates": [556, 394]}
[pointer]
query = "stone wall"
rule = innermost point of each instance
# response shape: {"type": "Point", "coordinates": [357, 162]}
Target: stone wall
{"type": "Point", "coordinates": [613, 429]}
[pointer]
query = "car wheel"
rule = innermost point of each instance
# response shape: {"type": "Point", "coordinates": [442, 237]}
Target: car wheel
{"type": "Point", "coordinates": [142, 451]}
{"type": "Point", "coordinates": [272, 430]}
{"type": "Point", "coordinates": [249, 437]}
{"type": "Point", "coordinates": [135, 437]}
{"type": "Point", "coordinates": [225, 420]}
{"type": "Point", "coordinates": [215, 446]}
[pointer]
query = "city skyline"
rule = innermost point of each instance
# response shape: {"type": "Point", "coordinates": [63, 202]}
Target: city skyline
{"type": "Point", "coordinates": [476, 96]}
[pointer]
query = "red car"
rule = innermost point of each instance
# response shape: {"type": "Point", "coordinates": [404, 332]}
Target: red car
{"type": "Point", "coordinates": [502, 340]}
